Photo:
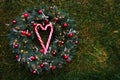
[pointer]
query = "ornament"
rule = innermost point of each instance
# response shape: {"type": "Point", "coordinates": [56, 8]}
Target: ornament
{"type": "Point", "coordinates": [76, 42]}
{"type": "Point", "coordinates": [42, 65]}
{"type": "Point", "coordinates": [34, 72]}
{"type": "Point", "coordinates": [26, 15]}
{"type": "Point", "coordinates": [17, 28]}
{"type": "Point", "coordinates": [17, 56]}
{"type": "Point", "coordinates": [63, 16]}
{"type": "Point", "coordinates": [68, 60]}
{"type": "Point", "coordinates": [33, 58]}
{"type": "Point", "coordinates": [71, 35]}
{"type": "Point", "coordinates": [39, 37]}
{"type": "Point", "coordinates": [29, 34]}
{"type": "Point", "coordinates": [23, 32]}
{"type": "Point", "coordinates": [34, 24]}
{"type": "Point", "coordinates": [16, 45]}
{"type": "Point", "coordinates": [51, 7]}
{"type": "Point", "coordinates": [61, 42]}
{"type": "Point", "coordinates": [65, 57]}
{"type": "Point", "coordinates": [42, 50]}
{"type": "Point", "coordinates": [56, 19]}
{"type": "Point", "coordinates": [40, 11]}
{"type": "Point", "coordinates": [65, 25]}
{"type": "Point", "coordinates": [53, 68]}
{"type": "Point", "coordinates": [37, 19]}
{"type": "Point", "coordinates": [21, 51]}
{"type": "Point", "coordinates": [14, 21]}
{"type": "Point", "coordinates": [54, 53]}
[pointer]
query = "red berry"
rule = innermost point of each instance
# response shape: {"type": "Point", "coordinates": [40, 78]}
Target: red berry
{"type": "Point", "coordinates": [23, 32]}
{"type": "Point", "coordinates": [62, 42]}
{"type": "Point", "coordinates": [40, 12]}
{"type": "Point", "coordinates": [47, 21]}
{"type": "Point", "coordinates": [65, 24]}
{"type": "Point", "coordinates": [76, 42]}
{"type": "Point", "coordinates": [71, 34]}
{"type": "Point", "coordinates": [54, 53]}
{"type": "Point", "coordinates": [63, 16]}
{"type": "Point", "coordinates": [26, 15]}
{"type": "Point", "coordinates": [42, 50]}
{"type": "Point", "coordinates": [56, 19]}
{"type": "Point", "coordinates": [34, 24]}
{"type": "Point", "coordinates": [65, 57]}
{"type": "Point", "coordinates": [29, 34]}
{"type": "Point", "coordinates": [34, 72]}
{"type": "Point", "coordinates": [53, 67]}
{"type": "Point", "coordinates": [14, 21]}
{"type": "Point", "coordinates": [69, 61]}
{"type": "Point", "coordinates": [17, 57]}
{"type": "Point", "coordinates": [42, 65]}
{"type": "Point", "coordinates": [51, 7]}
{"type": "Point", "coordinates": [16, 45]}
{"type": "Point", "coordinates": [33, 58]}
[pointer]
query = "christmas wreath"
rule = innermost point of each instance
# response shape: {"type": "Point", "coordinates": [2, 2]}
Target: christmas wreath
{"type": "Point", "coordinates": [43, 38]}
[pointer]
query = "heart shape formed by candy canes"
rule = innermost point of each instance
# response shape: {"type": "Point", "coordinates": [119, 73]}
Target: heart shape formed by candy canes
{"type": "Point", "coordinates": [45, 47]}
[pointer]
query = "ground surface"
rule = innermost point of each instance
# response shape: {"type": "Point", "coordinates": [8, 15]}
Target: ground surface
{"type": "Point", "coordinates": [98, 55]}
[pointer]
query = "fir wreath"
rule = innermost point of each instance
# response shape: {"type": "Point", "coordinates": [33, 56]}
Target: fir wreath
{"type": "Point", "coordinates": [30, 31]}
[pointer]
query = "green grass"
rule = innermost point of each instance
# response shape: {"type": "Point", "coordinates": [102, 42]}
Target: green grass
{"type": "Point", "coordinates": [98, 55]}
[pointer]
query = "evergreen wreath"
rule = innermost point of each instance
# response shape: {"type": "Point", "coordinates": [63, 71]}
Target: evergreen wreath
{"type": "Point", "coordinates": [44, 38]}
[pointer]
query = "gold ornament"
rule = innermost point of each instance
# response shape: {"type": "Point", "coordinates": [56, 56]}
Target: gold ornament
{"type": "Point", "coordinates": [60, 17]}
{"type": "Point", "coordinates": [23, 19]}
{"type": "Point", "coordinates": [53, 13]}
{"type": "Point", "coordinates": [33, 66]}
{"type": "Point", "coordinates": [68, 51]}
{"type": "Point", "coordinates": [60, 65]}
{"type": "Point", "coordinates": [37, 57]}
{"type": "Point", "coordinates": [25, 42]}
{"type": "Point", "coordinates": [53, 23]}
{"type": "Point", "coordinates": [42, 17]}
{"type": "Point", "coordinates": [38, 67]}
{"type": "Point", "coordinates": [17, 28]}
{"type": "Point", "coordinates": [58, 12]}
{"type": "Point", "coordinates": [23, 59]}
{"type": "Point", "coordinates": [15, 40]}
{"type": "Point", "coordinates": [59, 26]}
{"type": "Point", "coordinates": [60, 34]}
{"type": "Point", "coordinates": [21, 51]}
{"type": "Point", "coordinates": [37, 19]}
{"type": "Point", "coordinates": [28, 62]}
{"type": "Point", "coordinates": [43, 24]}
{"type": "Point", "coordinates": [25, 52]}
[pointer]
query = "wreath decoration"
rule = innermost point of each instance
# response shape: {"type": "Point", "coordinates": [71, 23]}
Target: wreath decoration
{"type": "Point", "coordinates": [44, 38]}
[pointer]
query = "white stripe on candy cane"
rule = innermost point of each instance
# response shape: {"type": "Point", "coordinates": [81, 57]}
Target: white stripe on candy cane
{"type": "Point", "coordinates": [39, 37]}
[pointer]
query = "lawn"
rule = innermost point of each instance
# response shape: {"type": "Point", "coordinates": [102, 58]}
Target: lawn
{"type": "Point", "coordinates": [98, 53]}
